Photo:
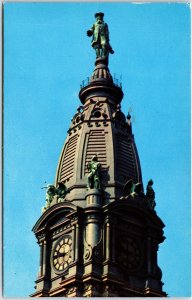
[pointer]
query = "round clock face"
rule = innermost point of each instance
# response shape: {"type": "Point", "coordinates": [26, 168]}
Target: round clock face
{"type": "Point", "coordinates": [62, 254]}
{"type": "Point", "coordinates": [129, 254]}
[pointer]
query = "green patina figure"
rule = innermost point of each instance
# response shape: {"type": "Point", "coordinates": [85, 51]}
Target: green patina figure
{"type": "Point", "coordinates": [93, 177]}
{"type": "Point", "coordinates": [100, 40]}
{"type": "Point", "coordinates": [129, 187]}
{"type": "Point", "coordinates": [50, 193]}
{"type": "Point", "coordinates": [61, 190]}
{"type": "Point", "coordinates": [137, 190]}
{"type": "Point", "coordinates": [150, 195]}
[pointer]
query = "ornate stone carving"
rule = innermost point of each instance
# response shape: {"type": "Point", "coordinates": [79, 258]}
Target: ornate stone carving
{"type": "Point", "coordinates": [71, 290]}
{"type": "Point", "coordinates": [88, 252]}
{"type": "Point", "coordinates": [79, 116]}
{"type": "Point", "coordinates": [41, 237]}
{"type": "Point", "coordinates": [92, 289]}
{"type": "Point", "coordinates": [98, 112]}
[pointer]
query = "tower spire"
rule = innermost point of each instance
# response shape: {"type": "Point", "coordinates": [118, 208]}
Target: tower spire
{"type": "Point", "coordinates": [101, 81]}
{"type": "Point", "coordinates": [99, 232]}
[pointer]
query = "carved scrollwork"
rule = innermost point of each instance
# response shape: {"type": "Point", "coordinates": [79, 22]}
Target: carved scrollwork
{"type": "Point", "coordinates": [99, 113]}
{"type": "Point", "coordinates": [41, 237]}
{"type": "Point", "coordinates": [87, 287]}
{"type": "Point", "coordinates": [91, 290]}
{"type": "Point", "coordinates": [79, 116]}
{"type": "Point", "coordinates": [88, 252]}
{"type": "Point", "coordinates": [71, 290]}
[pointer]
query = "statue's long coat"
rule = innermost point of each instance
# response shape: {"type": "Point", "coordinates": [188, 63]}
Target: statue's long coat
{"type": "Point", "coordinates": [100, 34]}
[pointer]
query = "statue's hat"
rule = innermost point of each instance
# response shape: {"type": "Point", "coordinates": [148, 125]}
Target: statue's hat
{"type": "Point", "coordinates": [150, 182]}
{"type": "Point", "coordinates": [99, 14]}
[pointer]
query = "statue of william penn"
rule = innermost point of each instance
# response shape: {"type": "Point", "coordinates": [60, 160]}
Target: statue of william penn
{"type": "Point", "coordinates": [100, 40]}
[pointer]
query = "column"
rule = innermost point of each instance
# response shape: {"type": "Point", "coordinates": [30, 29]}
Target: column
{"type": "Point", "coordinates": [74, 242]}
{"type": "Point", "coordinates": [113, 242]}
{"type": "Point", "coordinates": [108, 241]}
{"type": "Point", "coordinates": [41, 260]}
{"type": "Point", "coordinates": [77, 241]}
{"type": "Point", "coordinates": [44, 259]}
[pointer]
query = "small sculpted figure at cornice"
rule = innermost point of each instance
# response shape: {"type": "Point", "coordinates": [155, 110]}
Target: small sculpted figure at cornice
{"type": "Point", "coordinates": [50, 193]}
{"type": "Point", "coordinates": [93, 178]}
{"type": "Point", "coordinates": [61, 190]}
{"type": "Point", "coordinates": [128, 188]}
{"type": "Point", "coordinates": [138, 190]}
{"type": "Point", "coordinates": [54, 195]}
{"type": "Point", "coordinates": [129, 119]}
{"type": "Point", "coordinates": [133, 190]}
{"type": "Point", "coordinates": [150, 195]}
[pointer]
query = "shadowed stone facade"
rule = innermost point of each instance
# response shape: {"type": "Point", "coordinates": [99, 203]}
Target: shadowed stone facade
{"type": "Point", "coordinates": [99, 241]}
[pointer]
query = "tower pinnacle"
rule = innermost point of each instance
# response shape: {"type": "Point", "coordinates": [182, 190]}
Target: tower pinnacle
{"type": "Point", "coordinates": [99, 232]}
{"type": "Point", "coordinates": [101, 83]}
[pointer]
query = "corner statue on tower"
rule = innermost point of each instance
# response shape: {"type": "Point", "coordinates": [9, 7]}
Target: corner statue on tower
{"type": "Point", "coordinates": [100, 40]}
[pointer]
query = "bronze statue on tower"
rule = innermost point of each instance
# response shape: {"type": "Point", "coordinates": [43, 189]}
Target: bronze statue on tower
{"type": "Point", "coordinates": [100, 40]}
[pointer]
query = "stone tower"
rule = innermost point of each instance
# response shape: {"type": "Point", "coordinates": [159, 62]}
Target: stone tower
{"type": "Point", "coordinates": [99, 233]}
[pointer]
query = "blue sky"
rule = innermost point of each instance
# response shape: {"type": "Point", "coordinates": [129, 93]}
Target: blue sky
{"type": "Point", "coordinates": [46, 56]}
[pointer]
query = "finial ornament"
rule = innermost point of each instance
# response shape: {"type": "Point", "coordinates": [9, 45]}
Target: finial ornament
{"type": "Point", "coordinates": [100, 37]}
